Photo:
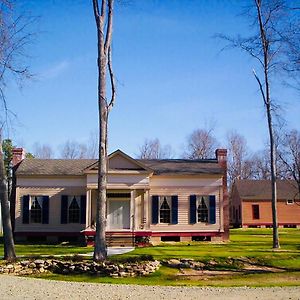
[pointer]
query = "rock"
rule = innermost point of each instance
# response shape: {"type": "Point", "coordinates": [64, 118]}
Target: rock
{"type": "Point", "coordinates": [184, 265]}
{"type": "Point", "coordinates": [39, 262]}
{"type": "Point", "coordinates": [10, 266]}
{"type": "Point", "coordinates": [25, 263]}
{"type": "Point", "coordinates": [41, 270]}
{"type": "Point", "coordinates": [32, 265]}
{"type": "Point", "coordinates": [114, 275]}
{"type": "Point", "coordinates": [122, 274]}
{"type": "Point", "coordinates": [174, 263]}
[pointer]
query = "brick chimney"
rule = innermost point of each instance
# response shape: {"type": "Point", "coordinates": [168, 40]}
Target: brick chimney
{"type": "Point", "coordinates": [221, 155]}
{"type": "Point", "coordinates": [18, 155]}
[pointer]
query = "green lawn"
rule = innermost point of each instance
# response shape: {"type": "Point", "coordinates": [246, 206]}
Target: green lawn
{"type": "Point", "coordinates": [251, 243]}
{"type": "Point", "coordinates": [31, 250]}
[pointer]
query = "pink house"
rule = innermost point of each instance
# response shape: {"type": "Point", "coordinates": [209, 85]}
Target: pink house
{"type": "Point", "coordinates": [161, 200]}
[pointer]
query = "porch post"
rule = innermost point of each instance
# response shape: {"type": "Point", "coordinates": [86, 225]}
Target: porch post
{"type": "Point", "coordinates": [88, 208]}
{"type": "Point", "coordinates": [146, 209]}
{"type": "Point", "coordinates": [132, 210]}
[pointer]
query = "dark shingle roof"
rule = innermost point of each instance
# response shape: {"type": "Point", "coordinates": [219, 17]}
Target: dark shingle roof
{"type": "Point", "coordinates": [261, 189]}
{"type": "Point", "coordinates": [182, 166]}
{"type": "Point", "coordinates": [33, 166]}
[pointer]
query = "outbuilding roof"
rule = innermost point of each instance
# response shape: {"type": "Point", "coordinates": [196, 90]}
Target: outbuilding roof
{"type": "Point", "coordinates": [261, 189]}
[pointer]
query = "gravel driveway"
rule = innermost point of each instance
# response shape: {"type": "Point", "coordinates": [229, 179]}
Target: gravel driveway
{"type": "Point", "coordinates": [12, 287]}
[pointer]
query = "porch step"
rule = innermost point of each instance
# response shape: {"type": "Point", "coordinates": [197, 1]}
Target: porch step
{"type": "Point", "coordinates": [119, 239]}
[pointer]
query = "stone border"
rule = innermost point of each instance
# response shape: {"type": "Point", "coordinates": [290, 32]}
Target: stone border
{"type": "Point", "coordinates": [114, 270]}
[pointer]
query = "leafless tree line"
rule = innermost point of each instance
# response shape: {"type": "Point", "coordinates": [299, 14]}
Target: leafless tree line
{"type": "Point", "coordinates": [71, 149]}
{"type": "Point", "coordinates": [242, 162]}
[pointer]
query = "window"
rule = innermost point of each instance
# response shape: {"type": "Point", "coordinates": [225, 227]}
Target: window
{"type": "Point", "coordinates": [290, 201]}
{"type": "Point", "coordinates": [74, 210]}
{"type": "Point", "coordinates": [255, 211]}
{"type": "Point", "coordinates": [36, 209]}
{"type": "Point", "coordinates": [202, 209]}
{"type": "Point", "coordinates": [165, 209]}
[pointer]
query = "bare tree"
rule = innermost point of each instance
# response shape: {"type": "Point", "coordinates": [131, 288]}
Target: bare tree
{"type": "Point", "coordinates": [269, 19]}
{"type": "Point", "coordinates": [290, 156]}
{"type": "Point", "coordinates": [152, 149]}
{"type": "Point", "coordinates": [73, 150]}
{"type": "Point", "coordinates": [261, 165]}
{"type": "Point", "coordinates": [104, 23]}
{"type": "Point", "coordinates": [42, 151]}
{"type": "Point", "coordinates": [92, 145]}
{"type": "Point", "coordinates": [201, 144]}
{"type": "Point", "coordinates": [239, 160]}
{"type": "Point", "coordinates": [14, 37]}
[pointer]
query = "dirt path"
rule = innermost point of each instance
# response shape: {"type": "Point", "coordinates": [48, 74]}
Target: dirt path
{"type": "Point", "coordinates": [27, 288]}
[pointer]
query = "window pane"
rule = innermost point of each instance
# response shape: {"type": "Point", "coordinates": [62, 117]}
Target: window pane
{"type": "Point", "coordinates": [74, 211]}
{"type": "Point", "coordinates": [255, 211]}
{"type": "Point", "coordinates": [35, 211]}
{"type": "Point", "coordinates": [202, 210]}
{"type": "Point", "coordinates": [165, 212]}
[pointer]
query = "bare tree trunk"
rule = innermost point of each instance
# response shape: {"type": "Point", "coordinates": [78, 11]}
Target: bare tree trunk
{"type": "Point", "coordinates": [267, 102]}
{"type": "Point", "coordinates": [273, 181]}
{"type": "Point", "coordinates": [104, 35]}
{"type": "Point", "coordinates": [9, 246]}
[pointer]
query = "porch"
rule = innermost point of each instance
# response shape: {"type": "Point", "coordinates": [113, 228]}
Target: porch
{"type": "Point", "coordinates": [126, 211]}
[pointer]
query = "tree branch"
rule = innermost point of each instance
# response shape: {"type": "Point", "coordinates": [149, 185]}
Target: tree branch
{"type": "Point", "coordinates": [260, 86]}
{"type": "Point", "coordinates": [112, 81]}
{"type": "Point", "coordinates": [109, 27]}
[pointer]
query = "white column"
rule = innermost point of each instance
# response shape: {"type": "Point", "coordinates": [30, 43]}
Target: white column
{"type": "Point", "coordinates": [146, 209]}
{"type": "Point", "coordinates": [88, 208]}
{"type": "Point", "coordinates": [132, 210]}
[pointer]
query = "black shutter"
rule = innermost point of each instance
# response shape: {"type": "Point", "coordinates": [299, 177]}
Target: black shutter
{"type": "Point", "coordinates": [64, 210]}
{"type": "Point", "coordinates": [212, 209]}
{"type": "Point", "coordinates": [26, 209]}
{"type": "Point", "coordinates": [45, 211]}
{"type": "Point", "coordinates": [174, 209]}
{"type": "Point", "coordinates": [193, 209]}
{"type": "Point", "coordinates": [83, 209]}
{"type": "Point", "coordinates": [154, 209]}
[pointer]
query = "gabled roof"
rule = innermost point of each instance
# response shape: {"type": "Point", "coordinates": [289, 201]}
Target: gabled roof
{"type": "Point", "coordinates": [261, 189]}
{"type": "Point", "coordinates": [183, 166]}
{"type": "Point", "coordinates": [75, 167]}
{"type": "Point", "coordinates": [126, 163]}
{"type": "Point", "coordinates": [33, 166]}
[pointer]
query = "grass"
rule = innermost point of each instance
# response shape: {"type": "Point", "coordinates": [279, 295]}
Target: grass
{"type": "Point", "coordinates": [251, 243]}
{"type": "Point", "coordinates": [168, 276]}
{"type": "Point", "coordinates": [255, 244]}
{"type": "Point", "coordinates": [32, 250]}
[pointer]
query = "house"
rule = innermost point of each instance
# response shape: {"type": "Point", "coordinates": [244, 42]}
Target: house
{"type": "Point", "coordinates": [250, 203]}
{"type": "Point", "coordinates": [161, 200]}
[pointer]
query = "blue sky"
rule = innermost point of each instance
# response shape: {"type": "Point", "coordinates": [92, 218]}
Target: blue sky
{"type": "Point", "coordinates": [172, 77]}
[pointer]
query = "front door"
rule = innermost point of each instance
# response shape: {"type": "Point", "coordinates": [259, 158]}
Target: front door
{"type": "Point", "coordinates": [119, 214]}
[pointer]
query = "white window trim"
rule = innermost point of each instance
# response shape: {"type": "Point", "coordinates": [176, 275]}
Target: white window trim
{"type": "Point", "coordinates": [160, 202]}
{"type": "Point", "coordinates": [290, 201]}
{"type": "Point", "coordinates": [198, 200]}
{"type": "Point", "coordinates": [78, 200]}
{"type": "Point", "coordinates": [40, 201]}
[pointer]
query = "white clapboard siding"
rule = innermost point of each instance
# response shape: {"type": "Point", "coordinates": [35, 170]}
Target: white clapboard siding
{"type": "Point", "coordinates": [54, 209]}
{"type": "Point", "coordinates": [184, 207]}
